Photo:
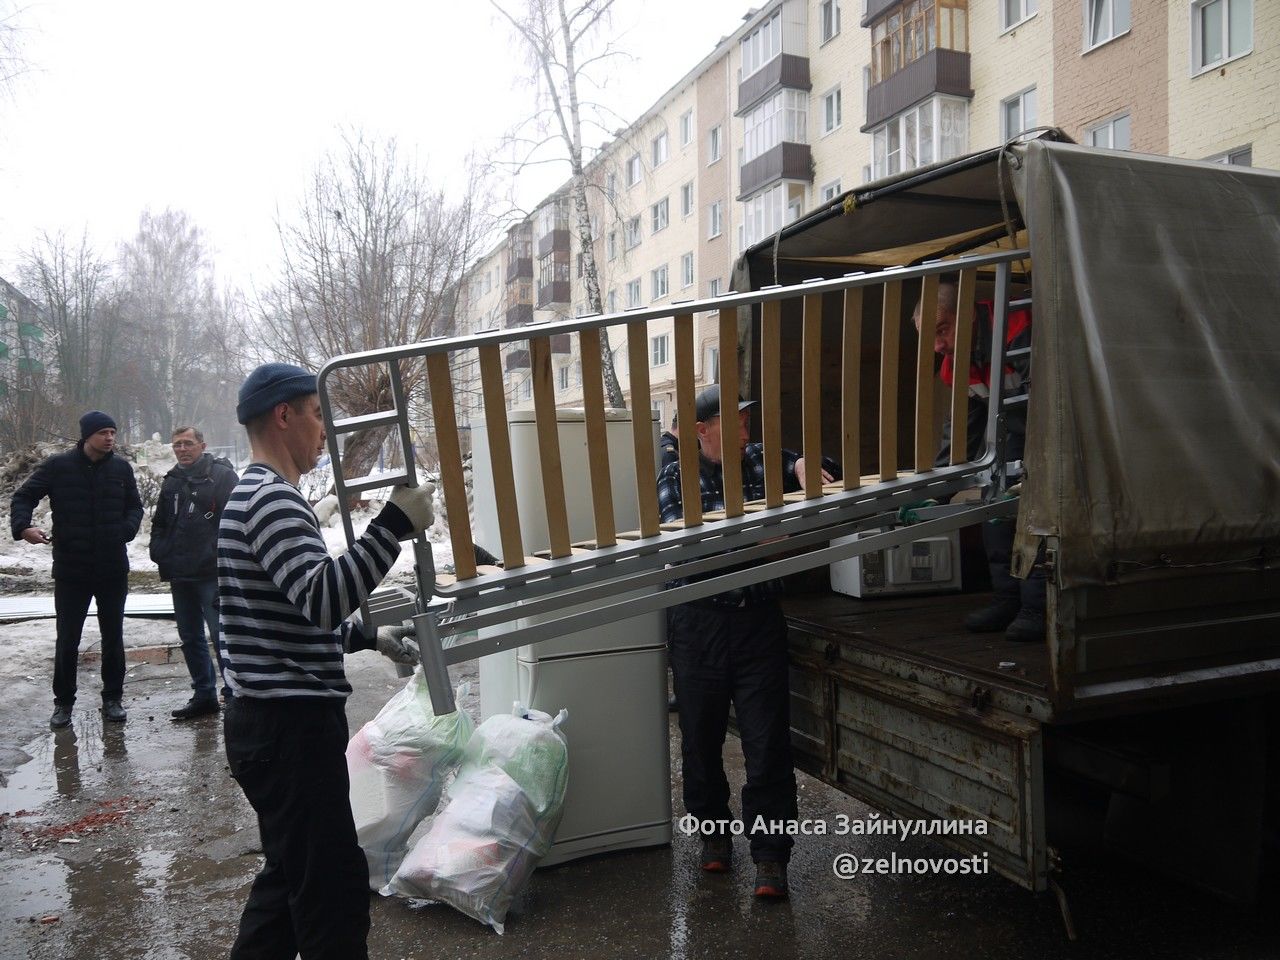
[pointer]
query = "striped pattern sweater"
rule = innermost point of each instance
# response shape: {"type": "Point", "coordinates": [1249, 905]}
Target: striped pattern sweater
{"type": "Point", "coordinates": [283, 600]}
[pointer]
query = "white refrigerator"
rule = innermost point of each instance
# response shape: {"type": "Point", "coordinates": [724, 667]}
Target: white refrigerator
{"type": "Point", "coordinates": [612, 680]}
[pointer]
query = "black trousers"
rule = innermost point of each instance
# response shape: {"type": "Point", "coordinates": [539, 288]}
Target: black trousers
{"type": "Point", "coordinates": [722, 656]}
{"type": "Point", "coordinates": [71, 603]}
{"type": "Point", "coordinates": [997, 538]}
{"type": "Point", "coordinates": [312, 895]}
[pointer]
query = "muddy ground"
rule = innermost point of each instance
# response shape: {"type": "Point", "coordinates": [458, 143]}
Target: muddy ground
{"type": "Point", "coordinates": [134, 842]}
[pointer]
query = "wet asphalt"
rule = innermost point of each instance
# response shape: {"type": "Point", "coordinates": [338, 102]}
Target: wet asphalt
{"type": "Point", "coordinates": [162, 847]}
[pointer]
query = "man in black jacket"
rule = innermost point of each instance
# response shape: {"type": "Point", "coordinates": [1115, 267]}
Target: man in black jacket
{"type": "Point", "coordinates": [184, 544]}
{"type": "Point", "coordinates": [96, 511]}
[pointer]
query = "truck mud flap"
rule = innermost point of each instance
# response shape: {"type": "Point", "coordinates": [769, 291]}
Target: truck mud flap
{"type": "Point", "coordinates": [879, 741]}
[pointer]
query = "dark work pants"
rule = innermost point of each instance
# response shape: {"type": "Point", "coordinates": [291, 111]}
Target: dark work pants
{"type": "Point", "coordinates": [195, 608]}
{"type": "Point", "coordinates": [722, 656]}
{"type": "Point", "coordinates": [71, 603]}
{"type": "Point", "coordinates": [312, 895]}
{"type": "Point", "coordinates": [997, 539]}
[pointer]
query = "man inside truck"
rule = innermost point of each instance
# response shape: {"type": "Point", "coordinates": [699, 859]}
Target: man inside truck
{"type": "Point", "coordinates": [1017, 606]}
{"type": "Point", "coordinates": [732, 648]}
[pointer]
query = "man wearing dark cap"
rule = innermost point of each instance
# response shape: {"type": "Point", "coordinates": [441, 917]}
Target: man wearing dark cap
{"type": "Point", "coordinates": [732, 649]}
{"type": "Point", "coordinates": [96, 511]}
{"type": "Point", "coordinates": [284, 604]}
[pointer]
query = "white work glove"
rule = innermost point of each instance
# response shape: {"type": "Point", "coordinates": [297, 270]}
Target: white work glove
{"type": "Point", "coordinates": [397, 645]}
{"type": "Point", "coordinates": [415, 503]}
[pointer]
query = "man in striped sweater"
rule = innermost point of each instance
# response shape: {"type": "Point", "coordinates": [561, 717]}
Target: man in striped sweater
{"type": "Point", "coordinates": [284, 604]}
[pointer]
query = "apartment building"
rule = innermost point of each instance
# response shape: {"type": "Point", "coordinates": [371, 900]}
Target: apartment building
{"type": "Point", "coordinates": [804, 100]}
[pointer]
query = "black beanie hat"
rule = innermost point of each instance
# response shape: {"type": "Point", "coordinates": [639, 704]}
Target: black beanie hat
{"type": "Point", "coordinates": [93, 421]}
{"type": "Point", "coordinates": [270, 384]}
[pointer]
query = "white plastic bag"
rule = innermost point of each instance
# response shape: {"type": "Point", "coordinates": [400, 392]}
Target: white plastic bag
{"type": "Point", "coordinates": [499, 818]}
{"type": "Point", "coordinates": [398, 763]}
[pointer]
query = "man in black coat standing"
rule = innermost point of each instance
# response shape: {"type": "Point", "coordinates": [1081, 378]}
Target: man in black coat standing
{"type": "Point", "coordinates": [96, 511]}
{"type": "Point", "coordinates": [184, 544]}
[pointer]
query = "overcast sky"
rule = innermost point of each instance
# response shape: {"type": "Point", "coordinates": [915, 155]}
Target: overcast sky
{"type": "Point", "coordinates": [222, 109]}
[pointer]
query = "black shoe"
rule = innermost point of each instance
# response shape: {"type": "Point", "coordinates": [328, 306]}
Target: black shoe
{"type": "Point", "coordinates": [196, 707]}
{"type": "Point", "coordinates": [1027, 627]}
{"type": "Point", "coordinates": [112, 712]}
{"type": "Point", "coordinates": [994, 617]}
{"type": "Point", "coordinates": [717, 854]}
{"type": "Point", "coordinates": [771, 880]}
{"type": "Point", "coordinates": [61, 717]}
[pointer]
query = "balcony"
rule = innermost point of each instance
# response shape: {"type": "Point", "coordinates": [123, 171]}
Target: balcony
{"type": "Point", "coordinates": [555, 292]}
{"type": "Point", "coordinates": [557, 241]}
{"type": "Point", "coordinates": [519, 268]}
{"type": "Point", "coordinates": [938, 71]}
{"type": "Point", "coordinates": [518, 314]}
{"type": "Point", "coordinates": [876, 9]}
{"type": "Point", "coordinates": [785, 70]}
{"type": "Point", "coordinates": [786, 161]}
{"type": "Point", "coordinates": [517, 359]}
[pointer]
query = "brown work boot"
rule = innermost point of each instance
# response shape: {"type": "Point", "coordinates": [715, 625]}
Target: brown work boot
{"type": "Point", "coordinates": [717, 854]}
{"type": "Point", "coordinates": [771, 880]}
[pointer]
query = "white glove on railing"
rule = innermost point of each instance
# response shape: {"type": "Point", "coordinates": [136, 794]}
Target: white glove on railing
{"type": "Point", "coordinates": [415, 503]}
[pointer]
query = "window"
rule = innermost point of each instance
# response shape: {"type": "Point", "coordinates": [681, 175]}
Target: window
{"type": "Point", "coordinates": [633, 293]}
{"type": "Point", "coordinates": [658, 282]}
{"type": "Point", "coordinates": [611, 245]}
{"type": "Point", "coordinates": [562, 378]}
{"type": "Point", "coordinates": [661, 214]}
{"type": "Point", "coordinates": [526, 388]}
{"type": "Point", "coordinates": [938, 129]}
{"type": "Point", "coordinates": [829, 18]}
{"type": "Point", "coordinates": [831, 111]}
{"type": "Point", "coordinates": [1114, 133]}
{"type": "Point", "coordinates": [711, 365]}
{"type": "Point", "coordinates": [686, 270]}
{"type": "Point", "coordinates": [611, 187]}
{"type": "Point", "coordinates": [1221, 30]}
{"type": "Point", "coordinates": [631, 233]}
{"type": "Point", "coordinates": [1104, 20]}
{"type": "Point", "coordinates": [782, 117]}
{"type": "Point", "coordinates": [909, 30]}
{"type": "Point", "coordinates": [770, 210]}
{"type": "Point", "coordinates": [762, 45]}
{"type": "Point", "coordinates": [686, 199]}
{"type": "Point", "coordinates": [715, 217]}
{"type": "Point", "coordinates": [714, 146]}
{"type": "Point", "coordinates": [1018, 113]}
{"type": "Point", "coordinates": [713, 287]}
{"type": "Point", "coordinates": [1240, 157]}
{"type": "Point", "coordinates": [686, 128]}
{"type": "Point", "coordinates": [830, 191]}
{"type": "Point", "coordinates": [1013, 12]}
{"type": "Point", "coordinates": [659, 350]}
{"type": "Point", "coordinates": [611, 302]}
{"type": "Point", "coordinates": [633, 170]}
{"type": "Point", "coordinates": [660, 149]}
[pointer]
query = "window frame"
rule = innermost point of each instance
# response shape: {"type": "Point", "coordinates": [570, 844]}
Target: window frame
{"type": "Point", "coordinates": [660, 216]}
{"type": "Point", "coordinates": [686, 127]}
{"type": "Point", "coordinates": [715, 216]}
{"type": "Point", "coordinates": [1225, 157]}
{"type": "Point", "coordinates": [1109, 124]}
{"type": "Point", "coordinates": [1088, 7]}
{"type": "Point", "coordinates": [771, 23]}
{"type": "Point", "coordinates": [660, 350]}
{"type": "Point", "coordinates": [1196, 7]}
{"type": "Point", "coordinates": [632, 233]}
{"type": "Point", "coordinates": [1020, 97]}
{"type": "Point", "coordinates": [659, 280]}
{"type": "Point", "coordinates": [687, 275]}
{"type": "Point", "coordinates": [660, 149]}
{"type": "Point", "coordinates": [830, 190]}
{"type": "Point", "coordinates": [562, 377]}
{"type": "Point", "coordinates": [633, 161]}
{"type": "Point", "coordinates": [715, 144]}
{"type": "Point", "coordinates": [1029, 9]}
{"type": "Point", "coordinates": [834, 7]}
{"type": "Point", "coordinates": [839, 110]}
{"type": "Point", "coordinates": [688, 199]}
{"type": "Point", "coordinates": [634, 286]}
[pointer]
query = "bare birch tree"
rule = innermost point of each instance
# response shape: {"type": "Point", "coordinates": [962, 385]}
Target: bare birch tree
{"type": "Point", "coordinates": [373, 259]}
{"type": "Point", "coordinates": [563, 41]}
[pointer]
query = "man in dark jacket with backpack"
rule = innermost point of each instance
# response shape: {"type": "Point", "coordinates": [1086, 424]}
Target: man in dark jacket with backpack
{"type": "Point", "coordinates": [96, 511]}
{"type": "Point", "coordinates": [184, 544]}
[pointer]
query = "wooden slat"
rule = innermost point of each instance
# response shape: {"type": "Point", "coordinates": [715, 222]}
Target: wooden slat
{"type": "Point", "coordinates": [811, 393]}
{"type": "Point", "coordinates": [771, 400]}
{"type": "Point", "coordinates": [597, 437]}
{"type": "Point", "coordinates": [690, 483]}
{"type": "Point", "coordinates": [890, 320]}
{"type": "Point", "coordinates": [641, 426]}
{"type": "Point", "coordinates": [731, 480]}
{"type": "Point", "coordinates": [965, 298]}
{"type": "Point", "coordinates": [500, 466]}
{"type": "Point", "coordinates": [850, 388]}
{"type": "Point", "coordinates": [451, 478]}
{"type": "Point", "coordinates": [544, 414]}
{"type": "Point", "coordinates": [925, 451]}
